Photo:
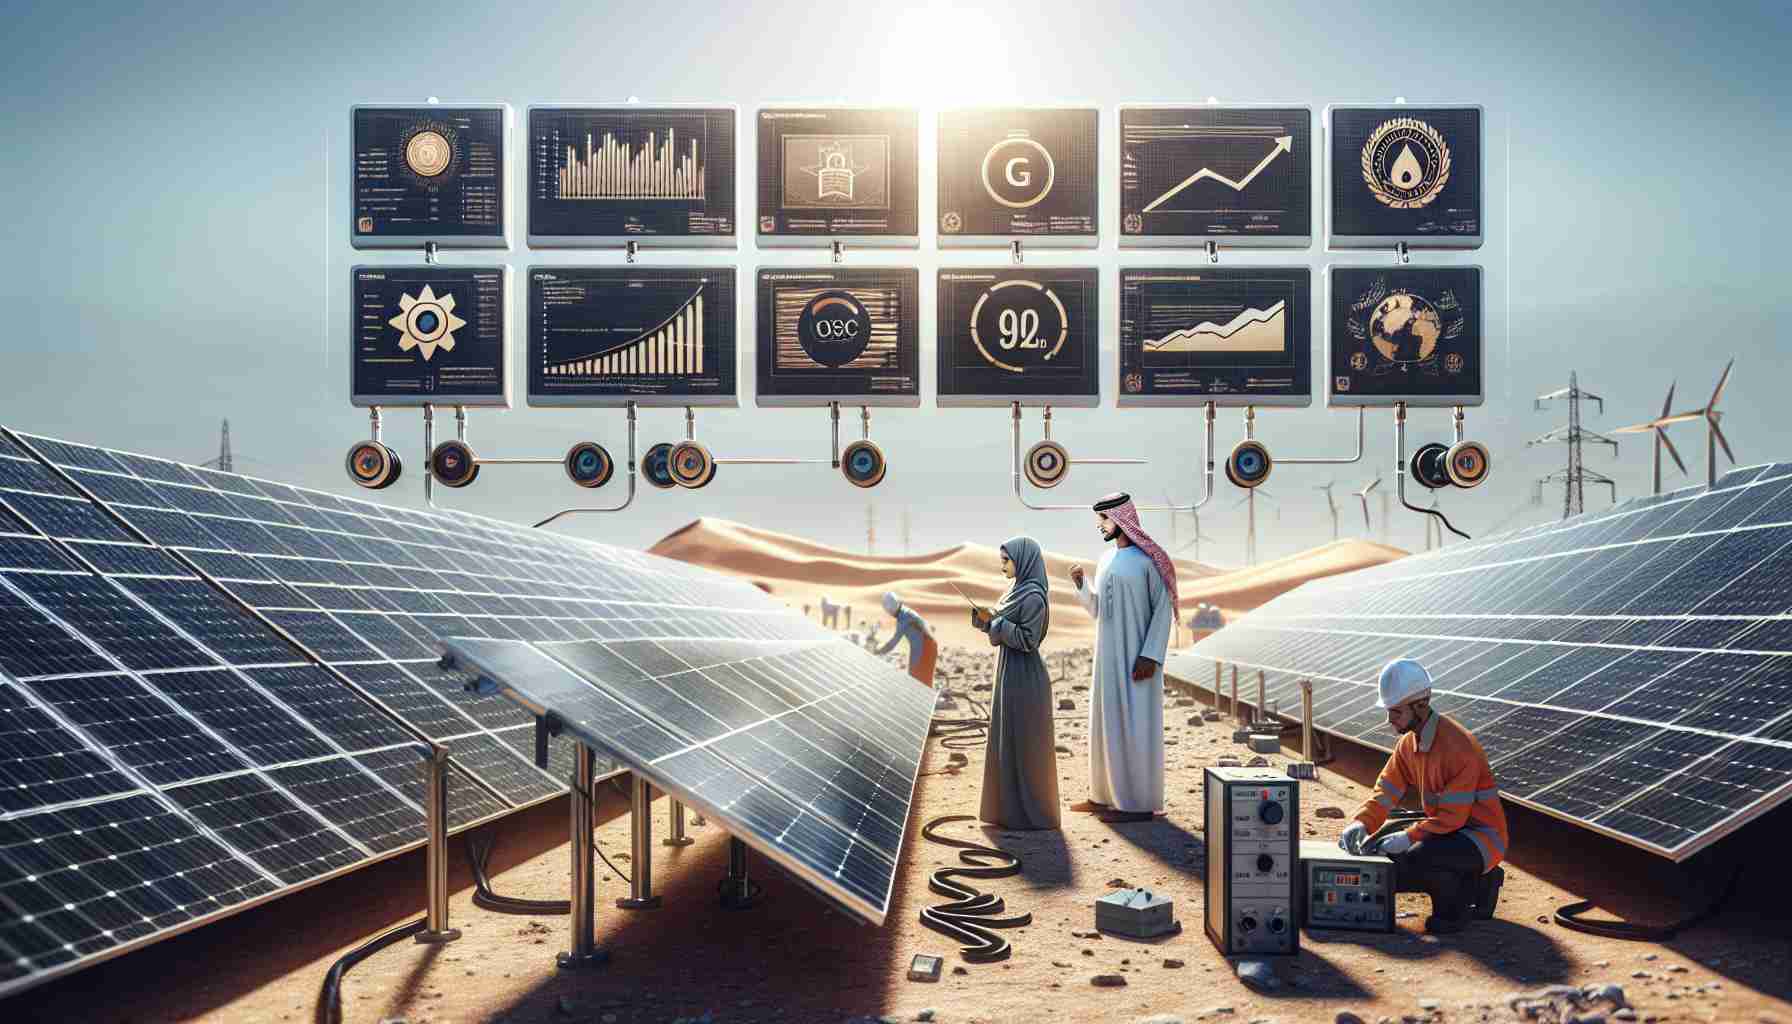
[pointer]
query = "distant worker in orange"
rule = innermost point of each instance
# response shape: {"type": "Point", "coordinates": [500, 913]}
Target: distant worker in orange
{"type": "Point", "coordinates": [1454, 852]}
{"type": "Point", "coordinates": [923, 650]}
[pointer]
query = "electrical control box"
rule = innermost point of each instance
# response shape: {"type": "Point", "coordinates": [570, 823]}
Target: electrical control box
{"type": "Point", "coordinates": [1344, 891]}
{"type": "Point", "coordinates": [1252, 815]}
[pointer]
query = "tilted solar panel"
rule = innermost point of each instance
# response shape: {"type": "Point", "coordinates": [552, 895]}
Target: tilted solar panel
{"type": "Point", "coordinates": [801, 746]}
{"type": "Point", "coordinates": [1629, 670]}
{"type": "Point", "coordinates": [232, 678]}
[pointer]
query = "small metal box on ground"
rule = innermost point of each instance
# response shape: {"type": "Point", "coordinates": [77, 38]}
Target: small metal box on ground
{"type": "Point", "coordinates": [1136, 914]}
{"type": "Point", "coordinates": [1251, 822]}
{"type": "Point", "coordinates": [1265, 743]}
{"type": "Point", "coordinates": [1345, 891]}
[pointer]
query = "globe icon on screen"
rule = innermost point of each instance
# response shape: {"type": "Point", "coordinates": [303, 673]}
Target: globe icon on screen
{"type": "Point", "coordinates": [1405, 328]}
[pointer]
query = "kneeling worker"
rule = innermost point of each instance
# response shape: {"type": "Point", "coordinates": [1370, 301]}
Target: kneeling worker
{"type": "Point", "coordinates": [1454, 853]}
{"type": "Point", "coordinates": [923, 650]}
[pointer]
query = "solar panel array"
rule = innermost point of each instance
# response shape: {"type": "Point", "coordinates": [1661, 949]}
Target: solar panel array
{"type": "Point", "coordinates": [809, 752]}
{"type": "Point", "coordinates": [168, 754]}
{"type": "Point", "coordinates": [1628, 670]}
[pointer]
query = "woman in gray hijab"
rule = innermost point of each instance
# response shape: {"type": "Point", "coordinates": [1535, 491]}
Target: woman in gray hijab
{"type": "Point", "coordinates": [1020, 765]}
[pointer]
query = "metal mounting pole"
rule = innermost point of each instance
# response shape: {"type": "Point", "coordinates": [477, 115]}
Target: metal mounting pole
{"type": "Point", "coordinates": [640, 835]}
{"type": "Point", "coordinates": [1234, 708]}
{"type": "Point", "coordinates": [373, 420]}
{"type": "Point", "coordinates": [435, 795]}
{"type": "Point", "coordinates": [1291, 460]}
{"type": "Point", "coordinates": [675, 832]}
{"type": "Point", "coordinates": [738, 891]}
{"type": "Point", "coordinates": [834, 417]}
{"type": "Point", "coordinates": [1261, 714]}
{"type": "Point", "coordinates": [429, 447]}
{"type": "Point", "coordinates": [1306, 719]}
{"type": "Point", "coordinates": [584, 951]}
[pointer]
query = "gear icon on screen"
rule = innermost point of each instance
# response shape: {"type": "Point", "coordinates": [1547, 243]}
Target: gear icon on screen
{"type": "Point", "coordinates": [426, 322]}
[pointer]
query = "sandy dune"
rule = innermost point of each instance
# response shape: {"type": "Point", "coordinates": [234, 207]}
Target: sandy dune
{"type": "Point", "coordinates": [801, 572]}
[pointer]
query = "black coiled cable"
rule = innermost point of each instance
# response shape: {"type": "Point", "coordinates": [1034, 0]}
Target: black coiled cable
{"type": "Point", "coordinates": [330, 1001]}
{"type": "Point", "coordinates": [970, 916]}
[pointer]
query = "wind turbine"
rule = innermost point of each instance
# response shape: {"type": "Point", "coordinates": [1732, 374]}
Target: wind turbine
{"type": "Point", "coordinates": [1659, 428]}
{"type": "Point", "coordinates": [1331, 503]}
{"type": "Point", "coordinates": [1363, 496]}
{"type": "Point", "coordinates": [1714, 434]}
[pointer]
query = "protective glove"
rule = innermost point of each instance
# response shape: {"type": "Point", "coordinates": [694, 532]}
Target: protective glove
{"type": "Point", "coordinates": [1352, 840]}
{"type": "Point", "coordinates": [1395, 844]}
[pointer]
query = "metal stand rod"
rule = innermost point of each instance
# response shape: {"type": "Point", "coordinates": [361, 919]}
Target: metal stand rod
{"type": "Point", "coordinates": [584, 951]}
{"type": "Point", "coordinates": [1235, 712]}
{"type": "Point", "coordinates": [675, 833]}
{"type": "Point", "coordinates": [834, 415]}
{"type": "Point", "coordinates": [626, 501]}
{"type": "Point", "coordinates": [429, 447]}
{"type": "Point", "coordinates": [1261, 714]}
{"type": "Point", "coordinates": [1217, 670]}
{"type": "Point", "coordinates": [1326, 461]}
{"type": "Point", "coordinates": [1306, 719]}
{"type": "Point", "coordinates": [640, 846]}
{"type": "Point", "coordinates": [373, 420]}
{"type": "Point", "coordinates": [737, 888]}
{"type": "Point", "coordinates": [435, 809]}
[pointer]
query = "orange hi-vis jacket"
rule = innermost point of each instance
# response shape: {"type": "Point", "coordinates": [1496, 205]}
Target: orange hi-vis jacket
{"type": "Point", "coordinates": [1456, 788]}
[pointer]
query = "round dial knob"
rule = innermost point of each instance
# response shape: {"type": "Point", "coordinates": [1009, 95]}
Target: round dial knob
{"type": "Point", "coordinates": [1277, 925]}
{"type": "Point", "coordinates": [1265, 862]}
{"type": "Point", "coordinates": [1270, 812]}
{"type": "Point", "coordinates": [1247, 923]}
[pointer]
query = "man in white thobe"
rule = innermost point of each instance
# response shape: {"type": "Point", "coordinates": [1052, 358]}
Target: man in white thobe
{"type": "Point", "coordinates": [1133, 602]}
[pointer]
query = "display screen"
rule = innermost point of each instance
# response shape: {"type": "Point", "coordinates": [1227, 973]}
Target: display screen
{"type": "Point", "coordinates": [429, 334]}
{"type": "Point", "coordinates": [630, 172]}
{"type": "Point", "coordinates": [1406, 174]}
{"type": "Point", "coordinates": [1233, 336]}
{"type": "Point", "coordinates": [1216, 172]}
{"type": "Point", "coordinates": [612, 335]}
{"type": "Point", "coordinates": [839, 334]}
{"type": "Point", "coordinates": [838, 172]}
{"type": "Point", "coordinates": [1017, 171]}
{"type": "Point", "coordinates": [1405, 334]}
{"type": "Point", "coordinates": [427, 174]}
{"type": "Point", "coordinates": [1019, 334]}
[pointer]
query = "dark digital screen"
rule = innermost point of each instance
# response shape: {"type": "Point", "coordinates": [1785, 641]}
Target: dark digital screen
{"type": "Point", "coordinates": [425, 174]}
{"type": "Point", "coordinates": [428, 334]}
{"type": "Point", "coordinates": [1406, 174]}
{"type": "Point", "coordinates": [1405, 334]}
{"type": "Point", "coordinates": [837, 172]}
{"type": "Point", "coordinates": [1233, 336]}
{"type": "Point", "coordinates": [619, 173]}
{"type": "Point", "coordinates": [1028, 334]}
{"type": "Point", "coordinates": [1236, 174]}
{"type": "Point", "coordinates": [611, 335]}
{"type": "Point", "coordinates": [839, 334]}
{"type": "Point", "coordinates": [1017, 171]}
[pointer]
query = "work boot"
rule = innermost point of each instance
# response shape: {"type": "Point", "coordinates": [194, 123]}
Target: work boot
{"type": "Point", "coordinates": [1486, 894]}
{"type": "Point", "coordinates": [1437, 924]}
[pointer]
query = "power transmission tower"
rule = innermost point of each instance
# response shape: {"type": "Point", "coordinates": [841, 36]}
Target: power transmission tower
{"type": "Point", "coordinates": [1574, 478]}
{"type": "Point", "coordinates": [223, 461]}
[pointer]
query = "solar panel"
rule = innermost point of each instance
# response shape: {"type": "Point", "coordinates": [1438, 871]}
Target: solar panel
{"type": "Point", "coordinates": [800, 746]}
{"type": "Point", "coordinates": [212, 686]}
{"type": "Point", "coordinates": [1627, 670]}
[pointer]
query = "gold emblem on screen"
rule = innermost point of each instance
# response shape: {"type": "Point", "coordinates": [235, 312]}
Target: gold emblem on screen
{"type": "Point", "coordinates": [428, 153]}
{"type": "Point", "coordinates": [1405, 163]}
{"type": "Point", "coordinates": [426, 322]}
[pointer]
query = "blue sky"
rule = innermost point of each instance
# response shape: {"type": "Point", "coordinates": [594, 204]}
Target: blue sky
{"type": "Point", "coordinates": [179, 251]}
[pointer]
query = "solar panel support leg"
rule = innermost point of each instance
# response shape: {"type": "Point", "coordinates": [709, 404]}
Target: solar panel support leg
{"type": "Point", "coordinates": [675, 832]}
{"type": "Point", "coordinates": [584, 951]}
{"type": "Point", "coordinates": [640, 828]}
{"type": "Point", "coordinates": [738, 891]}
{"type": "Point", "coordinates": [436, 930]}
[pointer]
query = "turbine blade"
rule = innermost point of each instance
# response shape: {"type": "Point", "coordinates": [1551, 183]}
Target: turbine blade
{"type": "Point", "coordinates": [1718, 432]}
{"type": "Point", "coordinates": [1721, 381]}
{"type": "Point", "coordinates": [1662, 436]}
{"type": "Point", "coordinates": [1670, 399]}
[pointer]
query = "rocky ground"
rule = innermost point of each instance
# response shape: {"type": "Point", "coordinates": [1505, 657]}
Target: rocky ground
{"type": "Point", "coordinates": [794, 960]}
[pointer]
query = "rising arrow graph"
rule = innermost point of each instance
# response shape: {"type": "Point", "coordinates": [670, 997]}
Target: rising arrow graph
{"type": "Point", "coordinates": [1284, 144]}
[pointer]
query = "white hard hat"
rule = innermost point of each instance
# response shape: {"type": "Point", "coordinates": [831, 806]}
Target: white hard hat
{"type": "Point", "coordinates": [891, 602]}
{"type": "Point", "coordinates": [1402, 680]}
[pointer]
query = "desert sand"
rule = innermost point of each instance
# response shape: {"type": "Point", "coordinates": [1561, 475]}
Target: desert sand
{"type": "Point", "coordinates": [802, 572]}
